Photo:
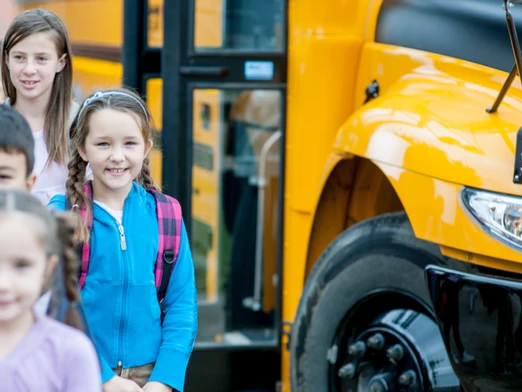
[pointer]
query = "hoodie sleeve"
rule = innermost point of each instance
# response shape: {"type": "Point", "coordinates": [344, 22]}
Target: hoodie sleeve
{"type": "Point", "coordinates": [106, 372]}
{"type": "Point", "coordinates": [57, 203]}
{"type": "Point", "coordinates": [181, 321]}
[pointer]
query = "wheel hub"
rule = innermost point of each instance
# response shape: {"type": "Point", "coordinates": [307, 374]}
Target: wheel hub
{"type": "Point", "coordinates": [399, 351]}
{"type": "Point", "coordinates": [387, 356]}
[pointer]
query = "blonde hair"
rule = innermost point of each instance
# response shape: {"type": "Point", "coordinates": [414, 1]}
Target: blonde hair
{"type": "Point", "coordinates": [118, 99]}
{"type": "Point", "coordinates": [58, 109]}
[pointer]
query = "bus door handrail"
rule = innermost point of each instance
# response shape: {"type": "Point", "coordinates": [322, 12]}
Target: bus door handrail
{"type": "Point", "coordinates": [254, 303]}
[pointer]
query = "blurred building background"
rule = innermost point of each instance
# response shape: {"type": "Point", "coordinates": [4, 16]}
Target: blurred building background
{"type": "Point", "coordinates": [7, 12]}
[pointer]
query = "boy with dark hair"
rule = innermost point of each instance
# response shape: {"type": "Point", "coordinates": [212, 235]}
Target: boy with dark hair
{"type": "Point", "coordinates": [16, 151]}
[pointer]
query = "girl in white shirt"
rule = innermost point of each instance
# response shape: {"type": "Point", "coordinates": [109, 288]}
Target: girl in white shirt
{"type": "Point", "coordinates": [37, 80]}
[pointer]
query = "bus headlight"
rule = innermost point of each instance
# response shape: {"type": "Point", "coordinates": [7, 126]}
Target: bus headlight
{"type": "Point", "coordinates": [497, 214]}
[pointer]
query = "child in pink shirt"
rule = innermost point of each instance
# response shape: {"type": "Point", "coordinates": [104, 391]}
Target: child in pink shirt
{"type": "Point", "coordinates": [36, 352]}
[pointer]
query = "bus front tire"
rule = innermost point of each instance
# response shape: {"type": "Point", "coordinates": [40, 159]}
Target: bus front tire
{"type": "Point", "coordinates": [369, 271]}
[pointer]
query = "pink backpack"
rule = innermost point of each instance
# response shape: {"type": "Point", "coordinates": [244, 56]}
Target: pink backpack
{"type": "Point", "coordinates": [168, 213]}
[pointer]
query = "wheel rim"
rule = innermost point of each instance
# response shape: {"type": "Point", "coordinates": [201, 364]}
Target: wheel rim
{"type": "Point", "coordinates": [399, 350]}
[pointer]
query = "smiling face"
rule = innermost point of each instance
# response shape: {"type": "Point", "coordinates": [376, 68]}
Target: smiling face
{"type": "Point", "coordinates": [115, 148]}
{"type": "Point", "coordinates": [24, 265]}
{"type": "Point", "coordinates": [33, 64]}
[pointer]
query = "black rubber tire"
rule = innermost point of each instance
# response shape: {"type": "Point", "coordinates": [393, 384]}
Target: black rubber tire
{"type": "Point", "coordinates": [379, 253]}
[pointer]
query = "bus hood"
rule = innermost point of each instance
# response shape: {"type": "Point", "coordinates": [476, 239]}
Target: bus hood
{"type": "Point", "coordinates": [438, 126]}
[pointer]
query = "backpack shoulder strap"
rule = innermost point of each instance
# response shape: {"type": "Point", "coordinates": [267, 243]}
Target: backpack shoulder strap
{"type": "Point", "coordinates": [84, 250]}
{"type": "Point", "coordinates": [168, 212]}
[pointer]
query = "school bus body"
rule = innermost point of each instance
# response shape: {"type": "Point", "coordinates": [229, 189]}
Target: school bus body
{"type": "Point", "coordinates": [412, 148]}
{"type": "Point", "coordinates": [428, 135]}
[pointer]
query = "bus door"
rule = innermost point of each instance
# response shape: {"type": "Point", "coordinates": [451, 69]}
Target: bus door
{"type": "Point", "coordinates": [223, 71]}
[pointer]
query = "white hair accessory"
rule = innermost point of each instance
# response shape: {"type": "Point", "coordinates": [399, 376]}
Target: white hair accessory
{"type": "Point", "coordinates": [100, 94]}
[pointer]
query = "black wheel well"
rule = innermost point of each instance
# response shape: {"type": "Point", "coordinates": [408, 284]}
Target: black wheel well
{"type": "Point", "coordinates": [355, 190]}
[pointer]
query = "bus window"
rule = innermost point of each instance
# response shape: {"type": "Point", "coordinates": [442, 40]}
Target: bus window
{"type": "Point", "coordinates": [154, 97]}
{"type": "Point", "coordinates": [239, 25]}
{"type": "Point", "coordinates": [235, 178]}
{"type": "Point", "coordinates": [155, 24]}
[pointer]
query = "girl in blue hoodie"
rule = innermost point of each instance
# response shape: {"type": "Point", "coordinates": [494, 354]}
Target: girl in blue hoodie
{"type": "Point", "coordinates": [140, 350]}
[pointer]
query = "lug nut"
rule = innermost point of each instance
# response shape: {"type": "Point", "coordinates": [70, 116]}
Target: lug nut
{"type": "Point", "coordinates": [376, 341]}
{"type": "Point", "coordinates": [408, 378]}
{"type": "Point", "coordinates": [395, 353]}
{"type": "Point", "coordinates": [347, 371]}
{"type": "Point", "coordinates": [379, 385]}
{"type": "Point", "coordinates": [383, 382]}
{"type": "Point", "coordinates": [358, 349]}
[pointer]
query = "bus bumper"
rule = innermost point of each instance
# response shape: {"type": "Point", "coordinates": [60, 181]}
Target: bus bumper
{"type": "Point", "coordinates": [480, 320]}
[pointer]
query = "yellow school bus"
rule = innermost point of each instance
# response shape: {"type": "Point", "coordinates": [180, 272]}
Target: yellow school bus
{"type": "Point", "coordinates": [350, 174]}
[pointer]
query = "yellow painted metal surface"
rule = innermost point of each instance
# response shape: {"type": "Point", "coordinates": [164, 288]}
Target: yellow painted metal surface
{"type": "Point", "coordinates": [428, 133]}
{"type": "Point", "coordinates": [154, 96]}
{"type": "Point", "coordinates": [434, 212]}
{"type": "Point", "coordinates": [208, 24]}
{"type": "Point", "coordinates": [92, 74]}
{"type": "Point", "coordinates": [324, 47]}
{"type": "Point", "coordinates": [94, 22]}
{"type": "Point", "coordinates": [432, 121]}
{"type": "Point", "coordinates": [436, 112]}
{"type": "Point", "coordinates": [155, 21]}
{"type": "Point", "coordinates": [206, 181]}
{"type": "Point", "coordinates": [473, 258]}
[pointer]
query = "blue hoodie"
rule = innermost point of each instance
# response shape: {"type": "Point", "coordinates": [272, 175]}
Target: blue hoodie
{"type": "Point", "coordinates": [119, 295]}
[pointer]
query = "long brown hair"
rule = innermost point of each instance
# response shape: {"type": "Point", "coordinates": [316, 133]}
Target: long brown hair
{"type": "Point", "coordinates": [58, 109]}
{"type": "Point", "coordinates": [57, 237]}
{"type": "Point", "coordinates": [119, 99]}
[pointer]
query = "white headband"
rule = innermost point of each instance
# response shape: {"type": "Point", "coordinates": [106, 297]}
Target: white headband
{"type": "Point", "coordinates": [100, 94]}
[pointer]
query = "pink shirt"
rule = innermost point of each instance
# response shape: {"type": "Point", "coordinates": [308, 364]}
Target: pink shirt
{"type": "Point", "coordinates": [53, 357]}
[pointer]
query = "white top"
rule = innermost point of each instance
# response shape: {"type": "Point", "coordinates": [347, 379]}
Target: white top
{"type": "Point", "coordinates": [116, 214]}
{"type": "Point", "coordinates": [50, 179]}
{"type": "Point", "coordinates": [40, 307]}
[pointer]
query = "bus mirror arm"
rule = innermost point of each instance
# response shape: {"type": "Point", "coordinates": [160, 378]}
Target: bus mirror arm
{"type": "Point", "coordinates": [255, 303]}
{"type": "Point", "coordinates": [515, 47]}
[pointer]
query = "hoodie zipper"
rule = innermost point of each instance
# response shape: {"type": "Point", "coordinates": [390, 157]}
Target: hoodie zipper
{"type": "Point", "coordinates": [123, 242]}
{"type": "Point", "coordinates": [123, 246]}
